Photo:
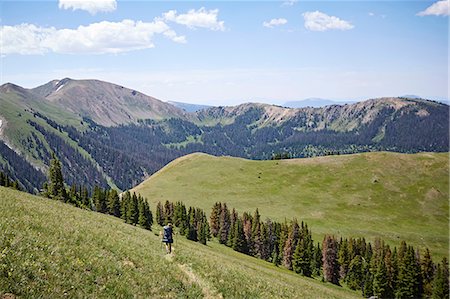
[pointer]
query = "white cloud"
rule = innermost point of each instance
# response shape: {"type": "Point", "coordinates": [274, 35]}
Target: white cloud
{"type": "Point", "coordinates": [440, 8]}
{"type": "Point", "coordinates": [96, 38]}
{"type": "Point", "coordinates": [371, 14]}
{"type": "Point", "coordinates": [92, 6]}
{"type": "Point", "coordinates": [289, 2]}
{"type": "Point", "coordinates": [196, 18]}
{"type": "Point", "coordinates": [275, 22]}
{"type": "Point", "coordinates": [319, 21]}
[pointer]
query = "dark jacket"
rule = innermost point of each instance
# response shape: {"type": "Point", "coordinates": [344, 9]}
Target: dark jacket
{"type": "Point", "coordinates": [167, 234]}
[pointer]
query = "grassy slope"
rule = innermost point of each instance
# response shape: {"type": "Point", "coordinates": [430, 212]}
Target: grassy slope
{"type": "Point", "coordinates": [394, 196]}
{"type": "Point", "coordinates": [50, 249]}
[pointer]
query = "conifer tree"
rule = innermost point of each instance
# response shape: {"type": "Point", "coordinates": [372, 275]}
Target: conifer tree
{"type": "Point", "coordinates": [148, 216]}
{"type": "Point", "coordinates": [134, 209]}
{"type": "Point", "coordinates": [301, 262]}
{"type": "Point", "coordinates": [330, 262]}
{"type": "Point", "coordinates": [85, 200]}
{"type": "Point", "coordinates": [124, 206]}
{"type": "Point", "coordinates": [317, 260]}
{"type": "Point", "coordinates": [390, 272]}
{"type": "Point", "coordinates": [99, 199]}
{"type": "Point", "coordinates": [290, 244]}
{"type": "Point", "coordinates": [343, 258]}
{"type": "Point", "coordinates": [113, 203]}
{"type": "Point", "coordinates": [203, 230]}
{"type": "Point", "coordinates": [142, 217]}
{"type": "Point", "coordinates": [380, 282]}
{"type": "Point", "coordinates": [408, 281]}
{"type": "Point", "coordinates": [355, 274]}
{"type": "Point", "coordinates": [367, 290]}
{"type": "Point", "coordinates": [55, 186]}
{"type": "Point", "coordinates": [215, 218]}
{"type": "Point", "coordinates": [256, 241]}
{"type": "Point", "coordinates": [427, 267]}
{"type": "Point", "coordinates": [168, 212]}
{"type": "Point", "coordinates": [441, 281]}
{"type": "Point", "coordinates": [224, 222]}
{"type": "Point", "coordinates": [239, 242]}
{"type": "Point", "coordinates": [233, 222]}
{"type": "Point", "coordinates": [192, 226]}
{"type": "Point", "coordinates": [160, 217]}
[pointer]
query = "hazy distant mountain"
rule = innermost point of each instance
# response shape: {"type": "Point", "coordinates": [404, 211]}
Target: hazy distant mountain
{"type": "Point", "coordinates": [189, 107]}
{"type": "Point", "coordinates": [105, 134]}
{"type": "Point", "coordinates": [313, 102]}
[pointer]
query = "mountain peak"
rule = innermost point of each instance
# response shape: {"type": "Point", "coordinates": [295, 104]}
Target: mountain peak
{"type": "Point", "coordinates": [106, 103]}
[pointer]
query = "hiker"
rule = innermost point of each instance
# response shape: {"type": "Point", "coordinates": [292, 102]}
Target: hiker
{"type": "Point", "coordinates": [167, 237]}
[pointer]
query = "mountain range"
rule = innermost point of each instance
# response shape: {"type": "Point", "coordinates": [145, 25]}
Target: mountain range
{"type": "Point", "coordinates": [109, 135]}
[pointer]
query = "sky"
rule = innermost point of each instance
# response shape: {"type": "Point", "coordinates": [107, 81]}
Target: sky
{"type": "Point", "coordinates": [231, 52]}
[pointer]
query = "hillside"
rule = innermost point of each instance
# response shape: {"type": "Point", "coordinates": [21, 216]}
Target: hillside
{"type": "Point", "coordinates": [51, 249]}
{"type": "Point", "coordinates": [393, 196]}
{"type": "Point", "coordinates": [109, 135]}
{"type": "Point", "coordinates": [105, 103]}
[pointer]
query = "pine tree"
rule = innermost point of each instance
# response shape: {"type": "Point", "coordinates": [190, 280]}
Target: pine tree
{"type": "Point", "coordinates": [301, 262]}
{"type": "Point", "coordinates": [239, 242]}
{"type": "Point", "coordinates": [142, 217]}
{"type": "Point", "coordinates": [124, 206]}
{"type": "Point", "coordinates": [380, 282]}
{"type": "Point", "coordinates": [160, 217]}
{"type": "Point", "coordinates": [344, 258]}
{"type": "Point", "coordinates": [85, 200]}
{"type": "Point", "coordinates": [99, 199]}
{"type": "Point", "coordinates": [168, 212]}
{"type": "Point", "coordinates": [330, 262]}
{"type": "Point", "coordinates": [441, 281]}
{"type": "Point", "coordinates": [317, 260]}
{"type": "Point", "coordinates": [290, 244]}
{"type": "Point", "coordinates": [408, 281]}
{"type": "Point", "coordinates": [224, 224]}
{"type": "Point", "coordinates": [390, 272]}
{"type": "Point", "coordinates": [148, 216]}
{"type": "Point", "coordinates": [55, 186]}
{"type": "Point", "coordinates": [233, 222]}
{"type": "Point", "coordinates": [427, 267]}
{"type": "Point", "coordinates": [255, 238]}
{"type": "Point", "coordinates": [355, 274]}
{"type": "Point", "coordinates": [192, 226]}
{"type": "Point", "coordinates": [215, 218]}
{"type": "Point", "coordinates": [113, 203]}
{"type": "Point", "coordinates": [203, 230]}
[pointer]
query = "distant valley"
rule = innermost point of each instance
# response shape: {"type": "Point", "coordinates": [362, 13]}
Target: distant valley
{"type": "Point", "coordinates": [109, 135]}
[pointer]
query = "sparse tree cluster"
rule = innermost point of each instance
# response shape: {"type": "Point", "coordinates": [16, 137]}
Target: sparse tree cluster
{"type": "Point", "coordinates": [6, 181]}
{"type": "Point", "coordinates": [191, 222]}
{"type": "Point", "coordinates": [132, 208]}
{"type": "Point", "coordinates": [375, 270]}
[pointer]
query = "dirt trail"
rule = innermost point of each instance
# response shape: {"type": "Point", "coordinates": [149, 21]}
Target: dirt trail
{"type": "Point", "coordinates": [207, 292]}
{"type": "Point", "coordinates": [193, 278]}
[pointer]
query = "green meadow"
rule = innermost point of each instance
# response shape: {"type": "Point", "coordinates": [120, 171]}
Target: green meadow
{"type": "Point", "coordinates": [389, 195]}
{"type": "Point", "coordinates": [52, 250]}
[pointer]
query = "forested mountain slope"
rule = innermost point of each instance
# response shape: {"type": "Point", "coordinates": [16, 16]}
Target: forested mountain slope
{"type": "Point", "coordinates": [108, 135]}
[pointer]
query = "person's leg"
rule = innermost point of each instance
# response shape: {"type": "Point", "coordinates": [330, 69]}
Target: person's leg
{"type": "Point", "coordinates": [170, 247]}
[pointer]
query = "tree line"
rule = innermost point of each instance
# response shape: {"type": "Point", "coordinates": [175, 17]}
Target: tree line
{"type": "Point", "coordinates": [132, 208]}
{"type": "Point", "coordinates": [374, 270]}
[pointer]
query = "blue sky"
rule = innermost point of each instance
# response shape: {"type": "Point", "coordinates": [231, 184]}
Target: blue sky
{"type": "Point", "coordinates": [225, 53]}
